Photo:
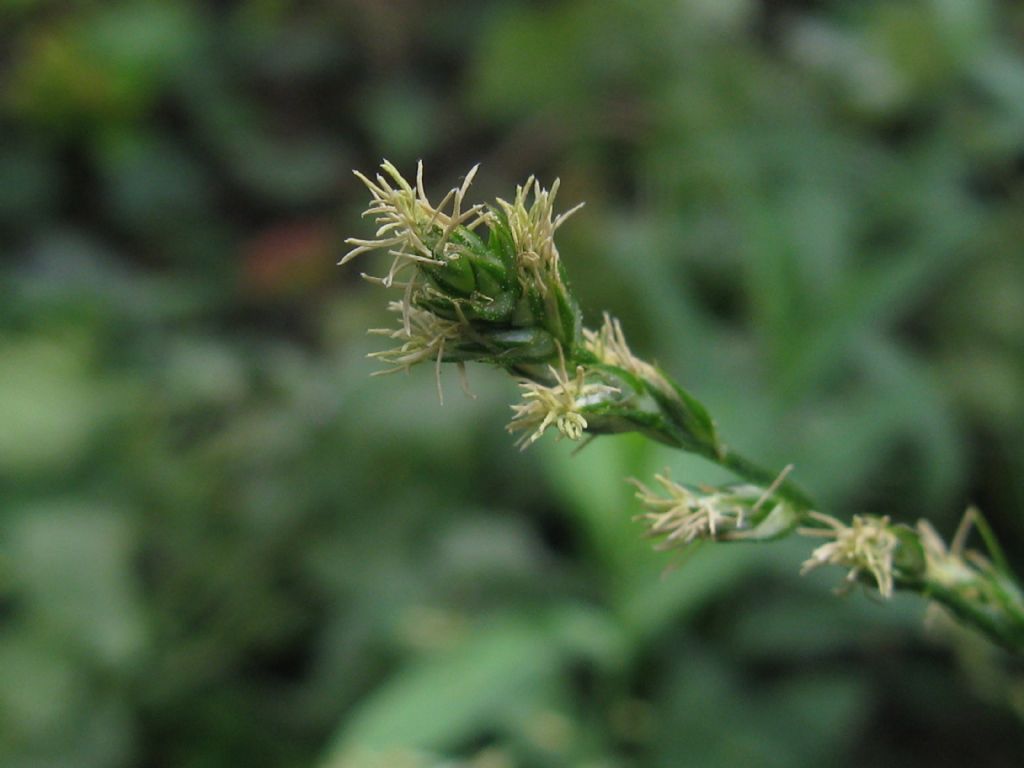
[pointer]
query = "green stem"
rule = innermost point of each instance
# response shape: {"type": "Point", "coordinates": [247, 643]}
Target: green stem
{"type": "Point", "coordinates": [747, 469]}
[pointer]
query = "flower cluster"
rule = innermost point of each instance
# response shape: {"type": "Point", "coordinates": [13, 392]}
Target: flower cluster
{"type": "Point", "coordinates": [502, 299]}
{"type": "Point", "coordinates": [683, 516]}
{"type": "Point", "coordinates": [533, 232]}
{"type": "Point", "coordinates": [423, 337]}
{"type": "Point", "coordinates": [560, 405]}
{"type": "Point", "coordinates": [868, 545]}
{"type": "Point", "coordinates": [608, 344]}
{"type": "Point", "coordinates": [409, 227]}
{"type": "Point", "coordinates": [680, 515]}
{"type": "Point", "coordinates": [947, 564]}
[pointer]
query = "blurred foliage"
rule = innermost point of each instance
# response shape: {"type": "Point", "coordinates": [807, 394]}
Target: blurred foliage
{"type": "Point", "coordinates": [221, 544]}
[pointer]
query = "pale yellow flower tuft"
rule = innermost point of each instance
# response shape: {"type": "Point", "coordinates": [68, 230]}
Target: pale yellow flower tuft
{"type": "Point", "coordinates": [423, 336]}
{"type": "Point", "coordinates": [684, 516]}
{"type": "Point", "coordinates": [609, 346]}
{"type": "Point", "coordinates": [557, 405]}
{"type": "Point", "coordinates": [533, 231]}
{"type": "Point", "coordinates": [410, 228]}
{"type": "Point", "coordinates": [868, 545]}
{"type": "Point", "coordinates": [955, 566]}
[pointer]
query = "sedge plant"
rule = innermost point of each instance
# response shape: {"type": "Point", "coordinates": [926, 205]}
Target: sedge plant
{"type": "Point", "coordinates": [477, 283]}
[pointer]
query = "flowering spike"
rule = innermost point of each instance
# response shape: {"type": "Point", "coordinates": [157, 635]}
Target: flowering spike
{"type": "Point", "coordinates": [505, 300]}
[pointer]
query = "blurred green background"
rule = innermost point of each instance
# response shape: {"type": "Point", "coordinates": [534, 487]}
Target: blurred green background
{"type": "Point", "coordinates": [222, 544]}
